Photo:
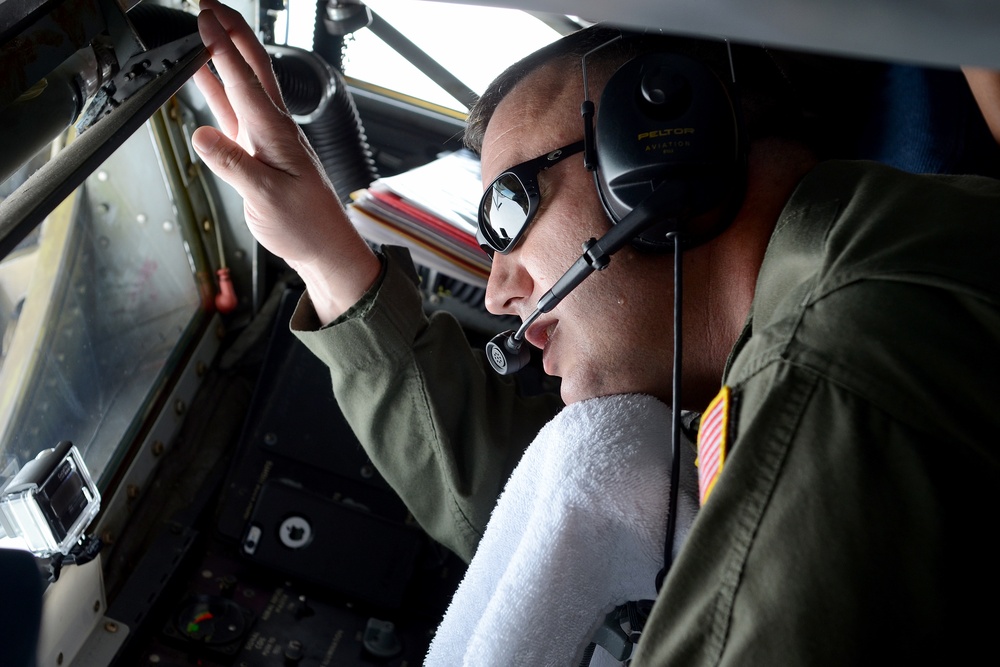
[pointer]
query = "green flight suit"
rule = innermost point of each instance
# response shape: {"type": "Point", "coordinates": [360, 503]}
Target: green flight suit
{"type": "Point", "coordinates": [852, 520]}
{"type": "Point", "coordinates": [440, 425]}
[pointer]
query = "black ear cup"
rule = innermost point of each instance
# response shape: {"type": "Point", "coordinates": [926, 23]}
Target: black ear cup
{"type": "Point", "coordinates": [667, 121]}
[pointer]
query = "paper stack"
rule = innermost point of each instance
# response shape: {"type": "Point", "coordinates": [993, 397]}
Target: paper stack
{"type": "Point", "coordinates": [432, 211]}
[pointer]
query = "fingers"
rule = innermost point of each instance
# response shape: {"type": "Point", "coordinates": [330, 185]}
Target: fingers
{"type": "Point", "coordinates": [218, 103]}
{"type": "Point", "coordinates": [245, 109]}
{"type": "Point", "coordinates": [226, 158]}
{"type": "Point", "coordinates": [240, 82]}
{"type": "Point", "coordinates": [228, 30]}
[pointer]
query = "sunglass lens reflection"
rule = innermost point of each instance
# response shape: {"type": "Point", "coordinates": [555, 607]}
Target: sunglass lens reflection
{"type": "Point", "coordinates": [505, 211]}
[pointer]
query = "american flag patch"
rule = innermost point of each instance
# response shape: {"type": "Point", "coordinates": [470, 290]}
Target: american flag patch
{"type": "Point", "coordinates": [713, 441]}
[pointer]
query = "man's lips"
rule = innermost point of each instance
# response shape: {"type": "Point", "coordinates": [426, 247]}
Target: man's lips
{"type": "Point", "coordinates": [539, 333]}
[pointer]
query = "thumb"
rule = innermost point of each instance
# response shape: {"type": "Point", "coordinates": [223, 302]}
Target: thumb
{"type": "Point", "coordinates": [226, 158]}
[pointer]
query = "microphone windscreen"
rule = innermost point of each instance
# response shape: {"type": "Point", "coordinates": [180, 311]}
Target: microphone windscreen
{"type": "Point", "coordinates": [507, 355]}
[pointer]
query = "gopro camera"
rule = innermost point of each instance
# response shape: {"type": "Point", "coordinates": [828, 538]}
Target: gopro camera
{"type": "Point", "coordinates": [50, 502]}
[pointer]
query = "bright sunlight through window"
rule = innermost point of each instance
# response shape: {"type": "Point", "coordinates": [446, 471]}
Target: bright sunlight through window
{"type": "Point", "coordinates": [474, 43]}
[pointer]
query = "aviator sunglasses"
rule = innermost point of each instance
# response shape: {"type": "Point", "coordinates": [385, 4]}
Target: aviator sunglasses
{"type": "Point", "coordinates": [510, 202]}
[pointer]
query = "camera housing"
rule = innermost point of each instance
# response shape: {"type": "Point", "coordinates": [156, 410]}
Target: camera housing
{"type": "Point", "coordinates": [50, 502]}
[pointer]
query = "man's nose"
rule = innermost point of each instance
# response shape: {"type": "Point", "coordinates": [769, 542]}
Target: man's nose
{"type": "Point", "coordinates": [509, 284]}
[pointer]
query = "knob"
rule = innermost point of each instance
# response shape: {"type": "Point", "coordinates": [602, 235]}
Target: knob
{"type": "Point", "coordinates": [380, 640]}
{"type": "Point", "coordinates": [666, 93]}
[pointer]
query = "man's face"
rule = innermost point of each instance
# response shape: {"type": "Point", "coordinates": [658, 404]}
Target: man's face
{"type": "Point", "coordinates": [612, 334]}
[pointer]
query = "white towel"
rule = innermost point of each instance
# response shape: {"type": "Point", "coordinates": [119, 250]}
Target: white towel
{"type": "Point", "coordinates": [577, 531]}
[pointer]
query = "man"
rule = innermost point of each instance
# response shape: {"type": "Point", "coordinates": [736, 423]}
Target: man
{"type": "Point", "coordinates": [847, 521]}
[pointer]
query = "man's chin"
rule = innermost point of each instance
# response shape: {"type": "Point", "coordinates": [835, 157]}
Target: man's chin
{"type": "Point", "coordinates": [572, 392]}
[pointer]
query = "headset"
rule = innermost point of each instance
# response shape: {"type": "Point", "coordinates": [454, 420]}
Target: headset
{"type": "Point", "coordinates": [669, 125]}
{"type": "Point", "coordinates": [668, 154]}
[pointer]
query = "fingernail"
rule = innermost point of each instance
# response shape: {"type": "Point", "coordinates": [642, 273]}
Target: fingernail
{"type": "Point", "coordinates": [204, 139]}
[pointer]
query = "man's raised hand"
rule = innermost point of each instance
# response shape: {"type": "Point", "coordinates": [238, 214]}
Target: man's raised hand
{"type": "Point", "coordinates": [290, 206]}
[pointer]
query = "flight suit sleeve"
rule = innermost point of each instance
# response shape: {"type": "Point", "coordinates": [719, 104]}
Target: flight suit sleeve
{"type": "Point", "coordinates": [442, 428]}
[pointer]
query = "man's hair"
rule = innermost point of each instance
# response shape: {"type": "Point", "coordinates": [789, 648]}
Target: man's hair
{"type": "Point", "coordinates": [770, 104]}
